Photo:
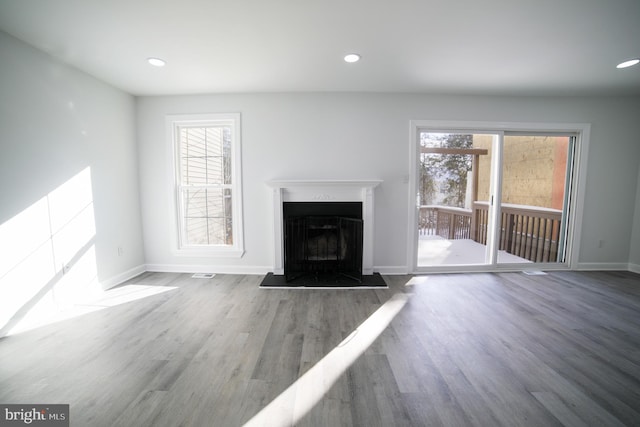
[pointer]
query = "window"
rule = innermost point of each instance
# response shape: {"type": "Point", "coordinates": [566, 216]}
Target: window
{"type": "Point", "coordinates": [208, 190]}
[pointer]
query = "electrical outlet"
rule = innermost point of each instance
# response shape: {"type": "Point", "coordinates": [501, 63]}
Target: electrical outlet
{"type": "Point", "coordinates": [600, 243]}
{"type": "Point", "coordinates": [120, 251]}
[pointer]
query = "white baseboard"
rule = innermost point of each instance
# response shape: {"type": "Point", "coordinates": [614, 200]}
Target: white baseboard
{"type": "Point", "coordinates": [260, 270]}
{"type": "Point", "coordinates": [218, 269]}
{"type": "Point", "coordinates": [391, 270]}
{"type": "Point", "coordinates": [603, 266]}
{"type": "Point", "coordinates": [122, 277]}
{"type": "Point", "coordinates": [240, 269]}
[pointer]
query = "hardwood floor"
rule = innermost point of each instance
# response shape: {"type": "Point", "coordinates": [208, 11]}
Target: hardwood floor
{"type": "Point", "coordinates": [469, 349]}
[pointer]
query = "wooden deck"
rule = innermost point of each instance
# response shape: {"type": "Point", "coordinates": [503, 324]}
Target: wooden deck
{"type": "Point", "coordinates": [485, 349]}
{"type": "Point", "coordinates": [437, 251]}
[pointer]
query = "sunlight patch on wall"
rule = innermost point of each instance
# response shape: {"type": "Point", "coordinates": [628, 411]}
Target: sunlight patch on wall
{"type": "Point", "coordinates": [47, 255]}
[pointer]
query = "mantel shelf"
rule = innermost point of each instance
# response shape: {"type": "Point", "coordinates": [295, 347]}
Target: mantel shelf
{"type": "Point", "coordinates": [372, 183]}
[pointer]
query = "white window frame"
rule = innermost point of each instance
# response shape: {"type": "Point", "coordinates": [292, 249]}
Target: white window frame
{"type": "Point", "coordinates": [173, 124]}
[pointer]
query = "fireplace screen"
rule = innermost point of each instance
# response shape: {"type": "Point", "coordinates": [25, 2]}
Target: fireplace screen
{"type": "Point", "coordinates": [323, 245]}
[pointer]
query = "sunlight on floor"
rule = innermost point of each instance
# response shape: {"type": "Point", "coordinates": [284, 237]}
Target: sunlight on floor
{"type": "Point", "coordinates": [417, 280]}
{"type": "Point", "coordinates": [309, 389]}
{"type": "Point", "coordinates": [110, 298]}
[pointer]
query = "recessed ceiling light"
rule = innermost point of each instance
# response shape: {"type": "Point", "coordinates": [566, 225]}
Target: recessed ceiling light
{"type": "Point", "coordinates": [352, 57]}
{"type": "Point", "coordinates": [629, 63]}
{"type": "Point", "coordinates": [156, 62]}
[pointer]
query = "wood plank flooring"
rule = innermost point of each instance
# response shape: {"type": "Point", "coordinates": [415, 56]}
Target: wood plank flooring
{"type": "Point", "coordinates": [501, 349]}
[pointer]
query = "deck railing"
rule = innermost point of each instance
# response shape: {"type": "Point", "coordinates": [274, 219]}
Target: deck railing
{"type": "Point", "coordinates": [529, 232]}
{"type": "Point", "coordinates": [445, 221]}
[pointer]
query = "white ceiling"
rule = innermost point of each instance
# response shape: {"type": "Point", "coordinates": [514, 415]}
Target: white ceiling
{"type": "Point", "coordinates": [536, 47]}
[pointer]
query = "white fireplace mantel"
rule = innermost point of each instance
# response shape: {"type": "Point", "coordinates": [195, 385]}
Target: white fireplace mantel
{"type": "Point", "coordinates": [324, 191]}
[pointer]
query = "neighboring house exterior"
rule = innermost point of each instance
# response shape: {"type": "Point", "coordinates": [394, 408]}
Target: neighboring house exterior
{"type": "Point", "coordinates": [534, 170]}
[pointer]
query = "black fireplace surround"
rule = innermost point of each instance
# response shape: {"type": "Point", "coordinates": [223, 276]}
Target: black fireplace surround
{"type": "Point", "coordinates": [323, 239]}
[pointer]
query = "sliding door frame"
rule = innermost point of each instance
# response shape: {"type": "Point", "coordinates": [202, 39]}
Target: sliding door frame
{"type": "Point", "coordinates": [576, 196]}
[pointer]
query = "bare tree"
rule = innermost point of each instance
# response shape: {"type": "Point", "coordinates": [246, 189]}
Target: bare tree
{"type": "Point", "coordinates": [445, 174]}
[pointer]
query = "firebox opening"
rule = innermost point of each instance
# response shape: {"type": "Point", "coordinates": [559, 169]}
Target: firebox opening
{"type": "Point", "coordinates": [323, 239]}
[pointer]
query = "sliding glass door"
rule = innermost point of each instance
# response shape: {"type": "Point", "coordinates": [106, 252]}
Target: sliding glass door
{"type": "Point", "coordinates": [491, 198]}
{"type": "Point", "coordinates": [448, 187]}
{"type": "Point", "coordinates": [534, 204]}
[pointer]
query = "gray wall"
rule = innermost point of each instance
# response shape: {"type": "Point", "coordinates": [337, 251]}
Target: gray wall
{"type": "Point", "coordinates": [366, 136]}
{"type": "Point", "coordinates": [59, 124]}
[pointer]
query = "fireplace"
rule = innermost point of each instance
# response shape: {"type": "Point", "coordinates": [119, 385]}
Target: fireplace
{"type": "Point", "coordinates": [323, 239]}
{"type": "Point", "coordinates": [331, 193]}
